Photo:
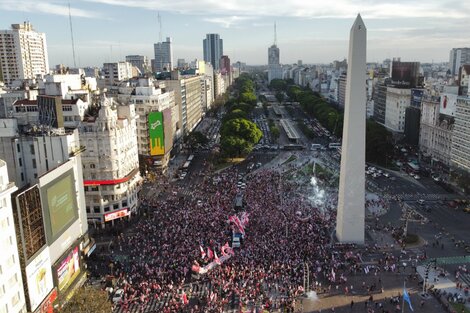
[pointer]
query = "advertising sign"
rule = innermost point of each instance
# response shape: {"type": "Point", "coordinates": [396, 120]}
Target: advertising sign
{"type": "Point", "coordinates": [116, 214]}
{"type": "Point", "coordinates": [39, 278]}
{"type": "Point", "coordinates": [156, 134]}
{"type": "Point", "coordinates": [68, 269]}
{"type": "Point", "coordinates": [48, 305]}
{"type": "Point", "coordinates": [448, 104]}
{"type": "Point", "coordinates": [416, 97]}
{"type": "Point", "coordinates": [59, 197]}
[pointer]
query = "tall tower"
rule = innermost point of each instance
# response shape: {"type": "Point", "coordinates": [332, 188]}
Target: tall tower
{"type": "Point", "coordinates": [23, 54]}
{"type": "Point", "coordinates": [274, 67]}
{"type": "Point", "coordinates": [213, 49]}
{"type": "Point", "coordinates": [164, 55]}
{"type": "Point", "coordinates": [351, 210]}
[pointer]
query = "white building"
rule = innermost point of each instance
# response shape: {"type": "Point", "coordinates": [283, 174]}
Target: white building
{"type": "Point", "coordinates": [163, 56]}
{"type": "Point", "coordinates": [460, 154]}
{"type": "Point", "coordinates": [141, 62]}
{"type": "Point", "coordinates": [11, 283]}
{"type": "Point", "coordinates": [110, 163]}
{"type": "Point", "coordinates": [116, 72]}
{"type": "Point", "coordinates": [436, 129]}
{"type": "Point", "coordinates": [395, 107]}
{"type": "Point", "coordinates": [23, 53]}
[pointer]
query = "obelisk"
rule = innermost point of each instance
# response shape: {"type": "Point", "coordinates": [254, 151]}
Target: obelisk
{"type": "Point", "coordinates": [351, 210]}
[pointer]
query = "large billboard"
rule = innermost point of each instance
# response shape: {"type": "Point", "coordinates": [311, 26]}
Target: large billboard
{"type": "Point", "coordinates": [116, 214]}
{"type": "Point", "coordinates": [156, 133]}
{"type": "Point", "coordinates": [405, 74]}
{"type": "Point", "coordinates": [416, 97]}
{"type": "Point", "coordinates": [39, 278]}
{"type": "Point", "coordinates": [448, 104]}
{"type": "Point", "coordinates": [60, 202]}
{"type": "Point", "coordinates": [68, 269]}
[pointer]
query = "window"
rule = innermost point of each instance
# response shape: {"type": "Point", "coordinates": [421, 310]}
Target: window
{"type": "Point", "coordinates": [22, 177]}
{"type": "Point", "coordinates": [116, 206]}
{"type": "Point", "coordinates": [20, 162]}
{"type": "Point", "coordinates": [107, 208]}
{"type": "Point", "coordinates": [15, 299]}
{"type": "Point", "coordinates": [18, 147]}
{"type": "Point", "coordinates": [34, 163]}
{"type": "Point", "coordinates": [31, 149]}
{"type": "Point", "coordinates": [92, 165]}
{"type": "Point", "coordinates": [96, 209]}
{"type": "Point", "coordinates": [124, 203]}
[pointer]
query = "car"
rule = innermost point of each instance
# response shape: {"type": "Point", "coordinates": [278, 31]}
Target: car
{"type": "Point", "coordinates": [467, 210]}
{"type": "Point", "coordinates": [387, 175]}
{"type": "Point", "coordinates": [416, 177]}
{"type": "Point", "coordinates": [199, 202]}
{"type": "Point", "coordinates": [421, 201]}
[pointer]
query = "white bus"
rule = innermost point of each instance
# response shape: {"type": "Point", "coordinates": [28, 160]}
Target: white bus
{"type": "Point", "coordinates": [191, 157]}
{"type": "Point", "coordinates": [186, 165]}
{"type": "Point", "coordinates": [334, 145]}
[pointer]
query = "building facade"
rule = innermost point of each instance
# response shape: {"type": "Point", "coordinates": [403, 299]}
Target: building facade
{"type": "Point", "coordinates": [141, 62]}
{"type": "Point", "coordinates": [436, 131]}
{"type": "Point", "coordinates": [12, 297]}
{"type": "Point", "coordinates": [213, 50]}
{"type": "Point", "coordinates": [23, 53]}
{"type": "Point", "coordinates": [397, 100]}
{"type": "Point", "coordinates": [163, 53]}
{"type": "Point", "coordinates": [116, 72]}
{"type": "Point", "coordinates": [274, 66]}
{"type": "Point", "coordinates": [110, 163]}
{"type": "Point", "coordinates": [457, 58]}
{"type": "Point", "coordinates": [460, 155]}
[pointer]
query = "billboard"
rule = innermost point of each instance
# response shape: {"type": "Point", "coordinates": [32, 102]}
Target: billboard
{"type": "Point", "coordinates": [156, 134]}
{"type": "Point", "coordinates": [405, 74]}
{"type": "Point", "coordinates": [448, 104]}
{"type": "Point", "coordinates": [116, 214]}
{"type": "Point", "coordinates": [68, 269]}
{"type": "Point", "coordinates": [416, 97]}
{"type": "Point", "coordinates": [60, 203]}
{"type": "Point", "coordinates": [39, 278]}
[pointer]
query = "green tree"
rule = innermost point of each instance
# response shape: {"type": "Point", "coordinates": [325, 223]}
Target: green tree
{"type": "Point", "coordinates": [242, 128]}
{"type": "Point", "coordinates": [275, 132]}
{"type": "Point", "coordinates": [248, 97]}
{"type": "Point", "coordinates": [379, 143]}
{"type": "Point", "coordinates": [280, 96]}
{"type": "Point", "coordinates": [233, 146]}
{"type": "Point", "coordinates": [236, 113]}
{"type": "Point", "coordinates": [294, 92]}
{"type": "Point", "coordinates": [88, 300]}
{"type": "Point", "coordinates": [196, 138]}
{"type": "Point", "coordinates": [278, 85]}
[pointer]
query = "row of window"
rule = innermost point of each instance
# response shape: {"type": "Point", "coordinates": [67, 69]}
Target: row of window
{"type": "Point", "coordinates": [97, 208]}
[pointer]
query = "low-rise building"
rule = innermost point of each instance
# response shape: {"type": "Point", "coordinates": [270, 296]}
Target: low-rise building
{"type": "Point", "coordinates": [460, 155]}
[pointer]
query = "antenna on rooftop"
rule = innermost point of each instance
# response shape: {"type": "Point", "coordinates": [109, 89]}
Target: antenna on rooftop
{"type": "Point", "coordinates": [71, 35]}
{"type": "Point", "coordinates": [275, 34]}
{"type": "Point", "coordinates": [160, 27]}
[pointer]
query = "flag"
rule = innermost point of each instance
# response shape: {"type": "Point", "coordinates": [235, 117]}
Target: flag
{"type": "Point", "coordinates": [210, 254]}
{"type": "Point", "coordinates": [234, 219]}
{"type": "Point", "coordinates": [226, 249]}
{"type": "Point", "coordinates": [217, 260]}
{"type": "Point", "coordinates": [185, 299]}
{"type": "Point", "coordinates": [406, 297]}
{"type": "Point", "coordinates": [203, 253]}
{"type": "Point", "coordinates": [333, 274]}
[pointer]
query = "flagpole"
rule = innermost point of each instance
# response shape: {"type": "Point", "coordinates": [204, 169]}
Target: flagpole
{"type": "Point", "coordinates": [403, 298]}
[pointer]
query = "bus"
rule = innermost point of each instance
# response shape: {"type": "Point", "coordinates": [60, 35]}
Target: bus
{"type": "Point", "coordinates": [293, 147]}
{"type": "Point", "coordinates": [191, 157]}
{"type": "Point", "coordinates": [315, 146]}
{"type": "Point", "coordinates": [334, 145]}
{"type": "Point", "coordinates": [186, 165]}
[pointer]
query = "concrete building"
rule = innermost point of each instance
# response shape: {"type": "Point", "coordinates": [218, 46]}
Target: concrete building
{"type": "Point", "coordinates": [341, 90]}
{"type": "Point", "coordinates": [350, 220]}
{"type": "Point", "coordinates": [188, 97]}
{"type": "Point", "coordinates": [141, 62]}
{"type": "Point", "coordinates": [464, 80]}
{"type": "Point", "coordinates": [149, 98]}
{"type": "Point", "coordinates": [457, 58]}
{"type": "Point", "coordinates": [436, 132]}
{"type": "Point", "coordinates": [116, 72]}
{"type": "Point", "coordinates": [397, 100]}
{"type": "Point", "coordinates": [12, 297]}
{"type": "Point", "coordinates": [23, 53]}
{"type": "Point", "coordinates": [274, 66]}
{"type": "Point", "coordinates": [460, 153]}
{"type": "Point", "coordinates": [110, 163]}
{"type": "Point", "coordinates": [213, 47]}
{"type": "Point", "coordinates": [163, 53]}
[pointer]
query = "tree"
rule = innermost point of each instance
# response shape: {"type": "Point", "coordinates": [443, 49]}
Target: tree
{"type": "Point", "coordinates": [233, 146]}
{"type": "Point", "coordinates": [293, 92]}
{"type": "Point", "coordinates": [88, 300]}
{"type": "Point", "coordinates": [196, 138]}
{"type": "Point", "coordinates": [237, 113]}
{"type": "Point", "coordinates": [278, 85]}
{"type": "Point", "coordinates": [248, 97]}
{"type": "Point", "coordinates": [275, 132]}
{"type": "Point", "coordinates": [280, 96]}
{"type": "Point", "coordinates": [379, 143]}
{"type": "Point", "coordinates": [242, 128]}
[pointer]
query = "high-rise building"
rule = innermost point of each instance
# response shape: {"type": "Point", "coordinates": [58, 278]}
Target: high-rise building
{"type": "Point", "coordinates": [213, 49]}
{"type": "Point", "coordinates": [397, 100]}
{"type": "Point", "coordinates": [12, 297]}
{"type": "Point", "coordinates": [341, 90]}
{"type": "Point", "coordinates": [460, 153]}
{"type": "Point", "coordinates": [274, 67]}
{"type": "Point", "coordinates": [379, 96]}
{"type": "Point", "coordinates": [163, 56]}
{"type": "Point", "coordinates": [225, 67]}
{"type": "Point", "coordinates": [116, 72]}
{"type": "Point", "coordinates": [139, 61]}
{"type": "Point", "coordinates": [23, 53]}
{"type": "Point", "coordinates": [458, 57]}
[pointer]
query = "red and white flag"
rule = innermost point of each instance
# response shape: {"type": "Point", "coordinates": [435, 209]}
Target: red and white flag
{"type": "Point", "coordinates": [203, 253]}
{"type": "Point", "coordinates": [234, 219]}
{"type": "Point", "coordinates": [217, 260]}
{"type": "Point", "coordinates": [226, 249]}
{"type": "Point", "coordinates": [210, 254]}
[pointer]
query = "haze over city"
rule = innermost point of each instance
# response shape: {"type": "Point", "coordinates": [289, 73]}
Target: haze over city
{"type": "Point", "coordinates": [312, 31]}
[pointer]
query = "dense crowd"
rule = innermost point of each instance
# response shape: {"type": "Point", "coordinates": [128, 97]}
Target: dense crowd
{"type": "Point", "coordinates": [267, 271]}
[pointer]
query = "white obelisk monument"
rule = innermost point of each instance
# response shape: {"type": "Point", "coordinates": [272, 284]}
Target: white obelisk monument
{"type": "Point", "coordinates": [351, 210]}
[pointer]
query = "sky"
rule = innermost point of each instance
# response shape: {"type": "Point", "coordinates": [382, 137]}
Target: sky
{"type": "Point", "coordinates": [314, 31]}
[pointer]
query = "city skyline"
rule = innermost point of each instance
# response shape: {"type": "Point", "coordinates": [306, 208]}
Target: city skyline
{"type": "Point", "coordinates": [313, 32]}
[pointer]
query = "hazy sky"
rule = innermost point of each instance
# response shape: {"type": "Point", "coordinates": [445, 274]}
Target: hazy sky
{"type": "Point", "coordinates": [315, 31]}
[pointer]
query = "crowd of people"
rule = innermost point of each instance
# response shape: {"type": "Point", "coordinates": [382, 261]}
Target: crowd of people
{"type": "Point", "coordinates": [156, 260]}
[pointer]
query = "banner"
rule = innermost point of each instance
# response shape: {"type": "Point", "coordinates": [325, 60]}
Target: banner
{"type": "Point", "coordinates": [156, 134]}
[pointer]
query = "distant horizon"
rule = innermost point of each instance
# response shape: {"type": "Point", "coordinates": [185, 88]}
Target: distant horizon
{"type": "Point", "coordinates": [314, 32]}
